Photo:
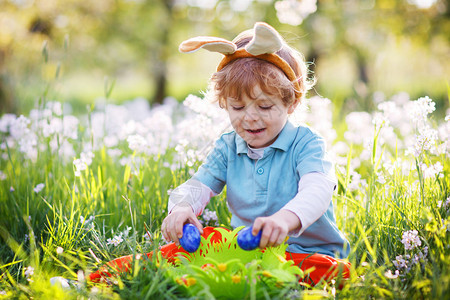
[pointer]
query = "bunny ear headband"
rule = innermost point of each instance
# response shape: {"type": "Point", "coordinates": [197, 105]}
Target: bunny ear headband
{"type": "Point", "coordinates": [265, 43]}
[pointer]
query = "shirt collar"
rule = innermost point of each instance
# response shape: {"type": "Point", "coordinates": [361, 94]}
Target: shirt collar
{"type": "Point", "coordinates": [283, 142]}
{"type": "Point", "coordinates": [241, 145]}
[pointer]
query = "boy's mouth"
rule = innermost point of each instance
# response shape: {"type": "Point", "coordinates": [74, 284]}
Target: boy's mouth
{"type": "Point", "coordinates": [255, 130]}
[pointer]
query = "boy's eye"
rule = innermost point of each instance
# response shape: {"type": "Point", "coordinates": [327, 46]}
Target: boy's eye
{"type": "Point", "coordinates": [237, 107]}
{"type": "Point", "coordinates": [266, 107]}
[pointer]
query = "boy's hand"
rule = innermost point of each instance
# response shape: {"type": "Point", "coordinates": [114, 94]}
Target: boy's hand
{"type": "Point", "coordinates": [172, 226]}
{"type": "Point", "coordinates": [275, 227]}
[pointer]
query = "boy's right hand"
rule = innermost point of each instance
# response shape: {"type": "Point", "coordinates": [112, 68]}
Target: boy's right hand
{"type": "Point", "coordinates": [172, 226]}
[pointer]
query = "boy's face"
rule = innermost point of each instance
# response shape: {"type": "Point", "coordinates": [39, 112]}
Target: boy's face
{"type": "Point", "coordinates": [258, 121]}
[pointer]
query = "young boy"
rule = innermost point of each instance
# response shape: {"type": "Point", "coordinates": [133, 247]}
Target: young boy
{"type": "Point", "coordinates": [278, 176]}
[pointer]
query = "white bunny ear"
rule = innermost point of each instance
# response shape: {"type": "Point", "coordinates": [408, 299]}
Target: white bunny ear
{"type": "Point", "coordinates": [265, 40]}
{"type": "Point", "coordinates": [213, 44]}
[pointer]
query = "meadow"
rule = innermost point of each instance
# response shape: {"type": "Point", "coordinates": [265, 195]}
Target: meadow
{"type": "Point", "coordinates": [78, 191]}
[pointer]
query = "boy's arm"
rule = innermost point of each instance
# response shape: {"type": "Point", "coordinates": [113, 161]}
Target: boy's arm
{"type": "Point", "coordinates": [186, 202]}
{"type": "Point", "coordinates": [193, 193]}
{"type": "Point", "coordinates": [315, 191]}
{"type": "Point", "coordinates": [311, 202]}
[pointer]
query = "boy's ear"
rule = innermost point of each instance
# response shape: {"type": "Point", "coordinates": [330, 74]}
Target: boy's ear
{"type": "Point", "coordinates": [213, 44]}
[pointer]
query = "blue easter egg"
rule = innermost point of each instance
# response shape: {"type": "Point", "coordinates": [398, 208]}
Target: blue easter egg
{"type": "Point", "coordinates": [246, 240]}
{"type": "Point", "coordinates": [190, 241]}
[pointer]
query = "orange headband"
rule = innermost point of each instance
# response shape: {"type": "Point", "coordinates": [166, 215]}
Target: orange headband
{"type": "Point", "coordinates": [264, 45]}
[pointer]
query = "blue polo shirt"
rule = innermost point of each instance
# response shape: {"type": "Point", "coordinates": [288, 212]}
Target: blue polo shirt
{"type": "Point", "coordinates": [262, 187]}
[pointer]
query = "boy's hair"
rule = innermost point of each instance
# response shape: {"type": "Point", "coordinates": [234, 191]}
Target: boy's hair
{"type": "Point", "coordinates": [241, 75]}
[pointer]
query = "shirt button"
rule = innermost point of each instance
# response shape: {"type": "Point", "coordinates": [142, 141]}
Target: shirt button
{"type": "Point", "coordinates": [260, 171]}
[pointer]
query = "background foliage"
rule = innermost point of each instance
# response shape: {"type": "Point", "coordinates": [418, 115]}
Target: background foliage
{"type": "Point", "coordinates": [357, 47]}
{"type": "Point", "coordinates": [84, 183]}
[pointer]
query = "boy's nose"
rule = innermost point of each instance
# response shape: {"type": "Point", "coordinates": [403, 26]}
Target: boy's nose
{"type": "Point", "coordinates": [251, 114]}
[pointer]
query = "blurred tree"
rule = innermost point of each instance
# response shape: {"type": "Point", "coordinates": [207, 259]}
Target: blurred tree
{"type": "Point", "coordinates": [6, 99]}
{"type": "Point", "coordinates": [146, 27]}
{"type": "Point", "coordinates": [25, 27]}
{"type": "Point", "coordinates": [153, 34]}
{"type": "Point", "coordinates": [362, 29]}
{"type": "Point", "coordinates": [120, 37]}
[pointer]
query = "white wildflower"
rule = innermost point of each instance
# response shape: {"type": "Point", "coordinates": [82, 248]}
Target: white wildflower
{"type": "Point", "coordinates": [59, 250]}
{"type": "Point", "coordinates": [94, 291]}
{"type": "Point", "coordinates": [360, 128]}
{"type": "Point", "coordinates": [87, 221]}
{"type": "Point", "coordinates": [433, 170]}
{"type": "Point", "coordinates": [29, 271]}
{"type": "Point", "coordinates": [110, 141]}
{"type": "Point", "coordinates": [446, 204]}
{"type": "Point", "coordinates": [203, 107]}
{"type": "Point", "coordinates": [420, 256]}
{"type": "Point", "coordinates": [421, 108]}
{"type": "Point", "coordinates": [137, 143]}
{"type": "Point", "coordinates": [380, 178]}
{"type": "Point", "coordinates": [70, 127]}
{"type": "Point", "coordinates": [39, 187]}
{"type": "Point", "coordinates": [126, 161]}
{"type": "Point", "coordinates": [55, 107]}
{"type": "Point", "coordinates": [116, 240]}
{"type": "Point", "coordinates": [319, 116]}
{"type": "Point", "coordinates": [147, 236]}
{"type": "Point", "coordinates": [79, 166]}
{"type": "Point", "coordinates": [400, 262]}
{"type": "Point", "coordinates": [87, 157]}
{"type": "Point", "coordinates": [61, 281]}
{"type": "Point", "coordinates": [113, 152]}
{"type": "Point", "coordinates": [27, 145]}
{"type": "Point", "coordinates": [388, 274]}
{"type": "Point", "coordinates": [127, 230]}
{"type": "Point", "coordinates": [80, 276]}
{"type": "Point", "coordinates": [356, 182]}
{"type": "Point", "coordinates": [6, 121]}
{"type": "Point", "coordinates": [425, 140]}
{"type": "Point", "coordinates": [51, 126]}
{"type": "Point", "coordinates": [380, 120]}
{"type": "Point", "coordinates": [209, 215]}
{"type": "Point", "coordinates": [411, 240]}
{"type": "Point", "coordinates": [19, 127]}
{"type": "Point", "coordinates": [83, 162]}
{"type": "Point", "coordinates": [365, 264]}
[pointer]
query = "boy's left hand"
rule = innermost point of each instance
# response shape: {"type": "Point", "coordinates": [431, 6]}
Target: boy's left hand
{"type": "Point", "coordinates": [275, 227]}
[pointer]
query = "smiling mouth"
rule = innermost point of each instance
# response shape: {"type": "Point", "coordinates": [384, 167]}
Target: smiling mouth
{"type": "Point", "coordinates": [256, 130]}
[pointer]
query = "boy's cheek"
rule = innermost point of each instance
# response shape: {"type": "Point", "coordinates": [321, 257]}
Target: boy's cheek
{"type": "Point", "coordinates": [236, 125]}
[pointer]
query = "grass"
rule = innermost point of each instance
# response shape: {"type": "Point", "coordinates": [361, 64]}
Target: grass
{"type": "Point", "coordinates": [66, 229]}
